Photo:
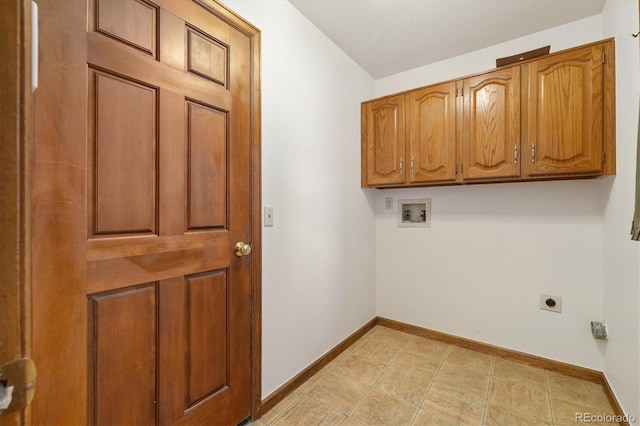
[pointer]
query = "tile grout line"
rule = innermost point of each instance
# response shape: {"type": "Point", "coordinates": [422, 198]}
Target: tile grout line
{"type": "Point", "coordinates": [486, 399]}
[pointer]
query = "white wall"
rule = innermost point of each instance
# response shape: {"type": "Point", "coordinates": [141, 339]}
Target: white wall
{"type": "Point", "coordinates": [621, 255]}
{"type": "Point", "coordinates": [318, 278]}
{"type": "Point", "coordinates": [492, 249]}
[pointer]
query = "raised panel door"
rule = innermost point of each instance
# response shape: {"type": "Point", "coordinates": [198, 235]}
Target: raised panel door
{"type": "Point", "coordinates": [142, 186]}
{"type": "Point", "coordinates": [490, 139]}
{"type": "Point", "coordinates": [565, 106]}
{"type": "Point", "coordinates": [384, 141]}
{"type": "Point", "coordinates": [431, 131]}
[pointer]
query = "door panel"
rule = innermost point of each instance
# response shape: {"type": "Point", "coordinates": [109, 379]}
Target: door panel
{"type": "Point", "coordinates": [565, 107]}
{"type": "Point", "coordinates": [130, 21]}
{"type": "Point", "coordinates": [123, 326]}
{"type": "Point", "coordinates": [122, 156]}
{"type": "Point", "coordinates": [385, 141]}
{"type": "Point", "coordinates": [168, 172]}
{"type": "Point", "coordinates": [207, 57]}
{"type": "Point", "coordinates": [491, 125]}
{"type": "Point", "coordinates": [432, 133]}
{"type": "Point", "coordinates": [207, 168]}
{"type": "Point", "coordinates": [207, 357]}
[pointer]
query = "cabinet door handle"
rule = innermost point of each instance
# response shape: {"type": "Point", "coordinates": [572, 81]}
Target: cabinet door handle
{"type": "Point", "coordinates": [412, 169]}
{"type": "Point", "coordinates": [515, 155]}
{"type": "Point", "coordinates": [401, 168]}
{"type": "Point", "coordinates": [533, 153]}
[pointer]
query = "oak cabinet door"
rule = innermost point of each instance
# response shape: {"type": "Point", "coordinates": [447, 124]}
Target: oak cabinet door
{"type": "Point", "coordinates": [490, 135]}
{"type": "Point", "coordinates": [565, 113]}
{"type": "Point", "coordinates": [431, 132]}
{"type": "Point", "coordinates": [383, 142]}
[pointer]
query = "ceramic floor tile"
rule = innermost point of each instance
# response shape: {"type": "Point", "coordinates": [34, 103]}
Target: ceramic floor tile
{"type": "Point", "coordinates": [427, 348]}
{"type": "Point", "coordinates": [569, 412]}
{"type": "Point", "coordinates": [475, 384]}
{"type": "Point", "coordinates": [280, 407]}
{"type": "Point", "coordinates": [469, 360]}
{"type": "Point", "coordinates": [304, 388]}
{"type": "Point", "coordinates": [496, 415]}
{"type": "Point", "coordinates": [417, 364]}
{"type": "Point", "coordinates": [382, 351]}
{"type": "Point", "coordinates": [390, 334]}
{"type": "Point", "coordinates": [403, 385]}
{"type": "Point", "coordinates": [361, 341]}
{"type": "Point", "coordinates": [338, 392]}
{"type": "Point", "coordinates": [425, 418]}
{"type": "Point", "coordinates": [335, 362]}
{"type": "Point", "coordinates": [361, 369]}
{"type": "Point", "coordinates": [378, 408]}
{"type": "Point", "coordinates": [580, 391]}
{"type": "Point", "coordinates": [393, 378]}
{"type": "Point", "coordinates": [306, 411]}
{"type": "Point", "coordinates": [513, 395]}
{"type": "Point", "coordinates": [530, 376]}
{"type": "Point", "coordinates": [451, 403]}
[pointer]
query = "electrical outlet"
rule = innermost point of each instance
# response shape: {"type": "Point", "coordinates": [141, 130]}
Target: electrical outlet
{"type": "Point", "coordinates": [388, 203]}
{"type": "Point", "coordinates": [551, 303]}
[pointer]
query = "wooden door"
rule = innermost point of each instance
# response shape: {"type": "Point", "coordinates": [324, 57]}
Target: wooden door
{"type": "Point", "coordinates": [565, 113]}
{"type": "Point", "coordinates": [143, 181]}
{"type": "Point", "coordinates": [432, 133]}
{"type": "Point", "coordinates": [15, 92]}
{"type": "Point", "coordinates": [491, 125]}
{"type": "Point", "coordinates": [383, 142]}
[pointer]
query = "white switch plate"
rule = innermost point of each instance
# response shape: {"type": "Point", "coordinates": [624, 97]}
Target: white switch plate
{"type": "Point", "coordinates": [388, 203]}
{"type": "Point", "coordinates": [268, 216]}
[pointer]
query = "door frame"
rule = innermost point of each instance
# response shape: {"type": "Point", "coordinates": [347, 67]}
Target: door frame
{"type": "Point", "coordinates": [15, 158]}
{"type": "Point", "coordinates": [15, 134]}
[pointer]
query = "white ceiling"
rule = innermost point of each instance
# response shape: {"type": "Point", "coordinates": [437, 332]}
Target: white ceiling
{"type": "Point", "coordinates": [390, 36]}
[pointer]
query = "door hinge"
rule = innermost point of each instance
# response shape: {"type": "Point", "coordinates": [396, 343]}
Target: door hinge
{"type": "Point", "coordinates": [17, 384]}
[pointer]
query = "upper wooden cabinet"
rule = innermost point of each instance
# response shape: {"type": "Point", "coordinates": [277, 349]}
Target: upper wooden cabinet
{"type": "Point", "coordinates": [490, 135]}
{"type": "Point", "coordinates": [567, 98]}
{"type": "Point", "coordinates": [383, 142]}
{"type": "Point", "coordinates": [431, 133]}
{"type": "Point", "coordinates": [550, 118]}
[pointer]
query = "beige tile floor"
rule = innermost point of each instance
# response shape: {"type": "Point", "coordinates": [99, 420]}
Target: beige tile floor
{"type": "Point", "coordinates": [392, 378]}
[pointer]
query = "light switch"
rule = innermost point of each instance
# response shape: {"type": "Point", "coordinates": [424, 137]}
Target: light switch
{"type": "Point", "coordinates": [268, 216]}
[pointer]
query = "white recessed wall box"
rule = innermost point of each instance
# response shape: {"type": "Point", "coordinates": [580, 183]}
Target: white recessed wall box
{"type": "Point", "coordinates": [414, 213]}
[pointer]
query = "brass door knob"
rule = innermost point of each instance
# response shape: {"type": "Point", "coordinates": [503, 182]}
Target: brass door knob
{"type": "Point", "coordinates": [242, 249]}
